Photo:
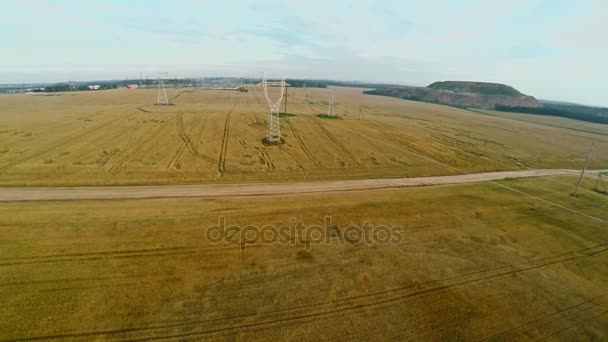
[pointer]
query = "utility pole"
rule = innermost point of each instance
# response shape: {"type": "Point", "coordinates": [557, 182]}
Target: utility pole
{"type": "Point", "coordinates": [578, 184]}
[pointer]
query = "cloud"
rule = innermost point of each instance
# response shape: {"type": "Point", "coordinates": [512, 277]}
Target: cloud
{"type": "Point", "coordinates": [553, 48]}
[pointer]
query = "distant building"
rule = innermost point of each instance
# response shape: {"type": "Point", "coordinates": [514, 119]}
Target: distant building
{"type": "Point", "coordinates": [132, 86]}
{"type": "Point", "coordinates": [19, 91]}
{"type": "Point", "coordinates": [93, 87]}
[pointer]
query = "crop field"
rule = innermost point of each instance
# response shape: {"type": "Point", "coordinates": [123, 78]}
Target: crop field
{"type": "Point", "coordinates": [120, 137]}
{"type": "Point", "coordinates": [482, 262]}
{"type": "Point", "coordinates": [514, 259]}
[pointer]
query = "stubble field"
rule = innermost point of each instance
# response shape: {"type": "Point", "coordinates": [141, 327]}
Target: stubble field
{"type": "Point", "coordinates": [119, 137]}
{"type": "Point", "coordinates": [516, 259]}
{"type": "Point", "coordinates": [475, 262]}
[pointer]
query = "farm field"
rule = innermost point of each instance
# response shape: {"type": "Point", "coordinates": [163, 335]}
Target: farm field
{"type": "Point", "coordinates": [119, 137]}
{"type": "Point", "coordinates": [481, 262]}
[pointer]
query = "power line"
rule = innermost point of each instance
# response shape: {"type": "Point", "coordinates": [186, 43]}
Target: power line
{"type": "Point", "coordinates": [493, 182]}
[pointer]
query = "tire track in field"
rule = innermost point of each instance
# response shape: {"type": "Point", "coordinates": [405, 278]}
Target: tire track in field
{"type": "Point", "coordinates": [302, 145]}
{"type": "Point", "coordinates": [391, 137]}
{"type": "Point", "coordinates": [61, 126]}
{"type": "Point", "coordinates": [295, 160]}
{"type": "Point", "coordinates": [312, 108]}
{"type": "Point", "coordinates": [535, 264]}
{"type": "Point", "coordinates": [441, 287]}
{"type": "Point", "coordinates": [337, 143]}
{"type": "Point", "coordinates": [518, 330]}
{"type": "Point", "coordinates": [192, 148]}
{"type": "Point", "coordinates": [579, 322]}
{"type": "Point", "coordinates": [92, 258]}
{"type": "Point", "coordinates": [54, 146]}
{"type": "Point", "coordinates": [563, 316]}
{"type": "Point", "coordinates": [427, 228]}
{"type": "Point", "coordinates": [194, 151]}
{"type": "Point", "coordinates": [221, 164]}
{"type": "Point", "coordinates": [63, 255]}
{"type": "Point", "coordinates": [266, 157]}
{"type": "Point", "coordinates": [278, 318]}
{"type": "Point", "coordinates": [267, 161]}
{"type": "Point", "coordinates": [186, 136]}
{"type": "Point", "coordinates": [309, 317]}
{"type": "Point", "coordinates": [135, 151]}
{"type": "Point", "coordinates": [78, 159]}
{"type": "Point", "coordinates": [398, 144]}
{"type": "Point", "coordinates": [105, 255]}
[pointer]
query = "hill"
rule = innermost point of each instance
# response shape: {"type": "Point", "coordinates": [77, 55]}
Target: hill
{"type": "Point", "coordinates": [462, 94]}
{"type": "Point", "coordinates": [479, 88]}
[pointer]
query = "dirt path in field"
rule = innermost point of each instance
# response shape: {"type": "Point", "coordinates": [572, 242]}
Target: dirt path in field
{"type": "Point", "coordinates": [258, 189]}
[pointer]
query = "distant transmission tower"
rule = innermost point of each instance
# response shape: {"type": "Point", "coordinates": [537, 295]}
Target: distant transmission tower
{"type": "Point", "coordinates": [599, 181]}
{"type": "Point", "coordinates": [330, 107]}
{"type": "Point", "coordinates": [274, 127]}
{"type": "Point", "coordinates": [162, 99]}
{"type": "Point", "coordinates": [578, 184]}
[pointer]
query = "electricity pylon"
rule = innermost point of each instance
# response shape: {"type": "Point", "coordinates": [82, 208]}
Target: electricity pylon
{"type": "Point", "coordinates": [330, 107]}
{"type": "Point", "coordinates": [599, 181]}
{"type": "Point", "coordinates": [274, 127]}
{"type": "Point", "coordinates": [162, 99]}
{"type": "Point", "coordinates": [578, 184]}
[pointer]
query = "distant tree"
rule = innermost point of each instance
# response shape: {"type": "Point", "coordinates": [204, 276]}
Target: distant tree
{"type": "Point", "coordinates": [584, 113]}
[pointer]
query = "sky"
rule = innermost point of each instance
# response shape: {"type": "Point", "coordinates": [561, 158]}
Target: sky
{"type": "Point", "coordinates": [555, 49]}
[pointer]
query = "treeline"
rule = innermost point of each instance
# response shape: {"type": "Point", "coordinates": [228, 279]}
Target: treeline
{"type": "Point", "coordinates": [197, 82]}
{"type": "Point", "coordinates": [294, 83]}
{"type": "Point", "coordinates": [70, 87]}
{"type": "Point", "coordinates": [299, 83]}
{"type": "Point", "coordinates": [307, 83]}
{"type": "Point", "coordinates": [577, 112]}
{"type": "Point", "coordinates": [400, 93]}
{"type": "Point", "coordinates": [312, 83]}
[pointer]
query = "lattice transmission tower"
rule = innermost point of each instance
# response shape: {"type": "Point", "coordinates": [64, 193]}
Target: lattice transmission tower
{"type": "Point", "coordinates": [578, 184]}
{"type": "Point", "coordinates": [274, 127]}
{"type": "Point", "coordinates": [162, 99]}
{"type": "Point", "coordinates": [600, 180]}
{"type": "Point", "coordinates": [330, 107]}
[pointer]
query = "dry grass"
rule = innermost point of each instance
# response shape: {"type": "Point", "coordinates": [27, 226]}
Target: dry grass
{"type": "Point", "coordinates": [479, 262]}
{"type": "Point", "coordinates": [118, 137]}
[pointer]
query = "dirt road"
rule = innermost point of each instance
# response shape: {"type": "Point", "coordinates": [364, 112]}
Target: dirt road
{"type": "Point", "coordinates": [254, 189]}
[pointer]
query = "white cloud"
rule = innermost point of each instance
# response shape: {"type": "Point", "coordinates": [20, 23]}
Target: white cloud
{"type": "Point", "coordinates": [552, 49]}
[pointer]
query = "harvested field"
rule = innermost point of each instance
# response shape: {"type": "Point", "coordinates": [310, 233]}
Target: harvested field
{"type": "Point", "coordinates": [482, 262]}
{"type": "Point", "coordinates": [119, 137]}
{"type": "Point", "coordinates": [503, 258]}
